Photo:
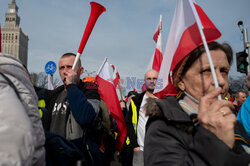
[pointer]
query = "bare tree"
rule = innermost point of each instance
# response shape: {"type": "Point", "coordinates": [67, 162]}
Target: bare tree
{"type": "Point", "coordinates": [237, 83]}
{"type": "Point", "coordinates": [89, 73]}
{"type": "Point", "coordinates": [40, 79]}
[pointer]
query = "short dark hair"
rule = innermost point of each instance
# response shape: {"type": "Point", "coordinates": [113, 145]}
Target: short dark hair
{"type": "Point", "coordinates": [68, 54]}
{"type": "Point", "coordinates": [237, 94]}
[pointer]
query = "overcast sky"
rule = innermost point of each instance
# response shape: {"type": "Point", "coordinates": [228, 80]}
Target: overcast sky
{"type": "Point", "coordinates": [123, 33]}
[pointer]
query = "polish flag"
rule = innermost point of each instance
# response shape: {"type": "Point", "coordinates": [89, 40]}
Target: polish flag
{"type": "Point", "coordinates": [116, 76]}
{"type": "Point", "coordinates": [155, 62]}
{"type": "Point", "coordinates": [158, 30]}
{"type": "Point", "coordinates": [107, 92]}
{"type": "Point", "coordinates": [184, 36]}
{"type": "Point", "coordinates": [157, 58]}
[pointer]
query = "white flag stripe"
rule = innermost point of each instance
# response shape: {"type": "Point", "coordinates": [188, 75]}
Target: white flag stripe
{"type": "Point", "coordinates": [205, 44]}
{"type": "Point", "coordinates": [158, 44]}
{"type": "Point", "coordinates": [183, 18]}
{"type": "Point", "coordinates": [106, 72]}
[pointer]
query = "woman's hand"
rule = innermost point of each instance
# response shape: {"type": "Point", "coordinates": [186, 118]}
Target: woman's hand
{"type": "Point", "coordinates": [216, 116]}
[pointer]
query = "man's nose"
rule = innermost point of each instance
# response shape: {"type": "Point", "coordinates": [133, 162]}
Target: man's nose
{"type": "Point", "coordinates": [65, 71]}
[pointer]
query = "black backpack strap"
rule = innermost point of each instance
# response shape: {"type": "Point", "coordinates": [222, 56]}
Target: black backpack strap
{"type": "Point", "coordinates": [11, 84]}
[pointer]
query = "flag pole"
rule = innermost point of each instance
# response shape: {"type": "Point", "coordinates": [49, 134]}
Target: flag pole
{"type": "Point", "coordinates": [76, 60]}
{"type": "Point", "coordinates": [105, 60]}
{"type": "Point", "coordinates": [200, 27]}
{"type": "Point", "coordinates": [120, 89]}
{"type": "Point", "coordinates": [160, 22]}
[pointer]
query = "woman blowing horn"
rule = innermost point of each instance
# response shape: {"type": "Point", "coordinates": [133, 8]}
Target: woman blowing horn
{"type": "Point", "coordinates": [194, 127]}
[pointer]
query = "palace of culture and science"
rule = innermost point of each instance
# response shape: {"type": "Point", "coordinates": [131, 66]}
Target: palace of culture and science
{"type": "Point", "coordinates": [14, 42]}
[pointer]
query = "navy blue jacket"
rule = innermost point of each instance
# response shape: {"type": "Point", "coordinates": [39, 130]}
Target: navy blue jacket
{"type": "Point", "coordinates": [84, 114]}
{"type": "Point", "coordinates": [81, 109]}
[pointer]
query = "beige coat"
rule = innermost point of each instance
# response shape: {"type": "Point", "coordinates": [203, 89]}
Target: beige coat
{"type": "Point", "coordinates": [22, 136]}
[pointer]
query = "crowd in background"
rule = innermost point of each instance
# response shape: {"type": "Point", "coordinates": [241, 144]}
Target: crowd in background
{"type": "Point", "coordinates": [72, 125]}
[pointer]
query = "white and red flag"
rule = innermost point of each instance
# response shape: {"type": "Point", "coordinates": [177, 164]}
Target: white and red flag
{"type": "Point", "coordinates": [155, 62]}
{"type": "Point", "coordinates": [184, 36]}
{"type": "Point", "coordinates": [158, 30]}
{"type": "Point", "coordinates": [106, 89]}
{"type": "Point", "coordinates": [157, 58]}
{"type": "Point", "coordinates": [116, 76]}
{"type": "Point", "coordinates": [116, 80]}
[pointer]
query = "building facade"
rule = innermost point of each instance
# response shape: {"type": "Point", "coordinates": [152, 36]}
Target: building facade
{"type": "Point", "coordinates": [14, 41]}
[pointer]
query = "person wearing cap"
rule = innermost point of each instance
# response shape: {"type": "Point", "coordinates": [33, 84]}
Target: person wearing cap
{"type": "Point", "coordinates": [195, 127]}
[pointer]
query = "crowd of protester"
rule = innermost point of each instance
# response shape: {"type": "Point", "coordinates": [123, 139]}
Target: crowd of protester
{"type": "Point", "coordinates": [71, 125]}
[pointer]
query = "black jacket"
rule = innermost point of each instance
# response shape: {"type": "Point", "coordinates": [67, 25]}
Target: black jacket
{"type": "Point", "coordinates": [127, 149]}
{"type": "Point", "coordinates": [172, 139]}
{"type": "Point", "coordinates": [84, 114]}
{"type": "Point", "coordinates": [89, 91]}
{"type": "Point", "coordinates": [130, 128]}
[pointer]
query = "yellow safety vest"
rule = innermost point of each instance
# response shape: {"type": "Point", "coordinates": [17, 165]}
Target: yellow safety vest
{"type": "Point", "coordinates": [41, 104]}
{"type": "Point", "coordinates": [134, 119]}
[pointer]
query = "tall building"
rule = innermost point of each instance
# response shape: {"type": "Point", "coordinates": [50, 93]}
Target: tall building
{"type": "Point", "coordinates": [14, 41]}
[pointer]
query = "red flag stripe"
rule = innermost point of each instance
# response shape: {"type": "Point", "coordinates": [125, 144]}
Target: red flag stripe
{"type": "Point", "coordinates": [159, 28]}
{"type": "Point", "coordinates": [157, 60]}
{"type": "Point", "coordinates": [116, 76]}
{"type": "Point", "coordinates": [108, 94]}
{"type": "Point", "coordinates": [143, 88]}
{"type": "Point", "coordinates": [155, 37]}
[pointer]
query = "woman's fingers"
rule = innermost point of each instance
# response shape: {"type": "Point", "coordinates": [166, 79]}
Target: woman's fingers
{"type": "Point", "coordinates": [206, 100]}
{"type": "Point", "coordinates": [216, 116]}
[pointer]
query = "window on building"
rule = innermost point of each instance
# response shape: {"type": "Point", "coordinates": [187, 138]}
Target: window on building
{"type": "Point", "coordinates": [16, 51]}
{"type": "Point", "coordinates": [11, 52]}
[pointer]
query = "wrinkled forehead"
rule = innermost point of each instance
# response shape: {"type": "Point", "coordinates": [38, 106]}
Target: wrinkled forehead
{"type": "Point", "coordinates": [69, 60]}
{"type": "Point", "coordinates": [151, 74]}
